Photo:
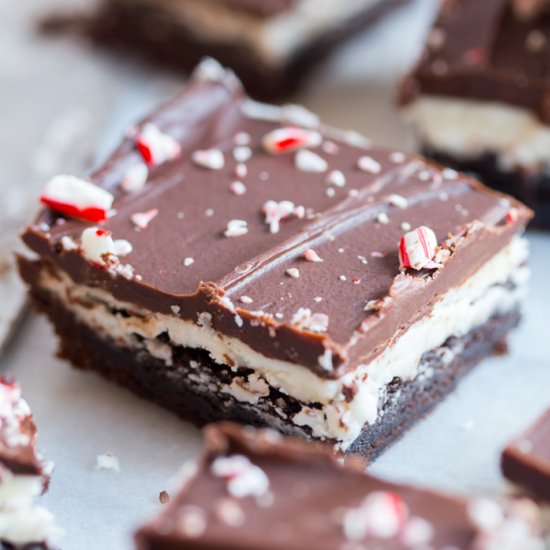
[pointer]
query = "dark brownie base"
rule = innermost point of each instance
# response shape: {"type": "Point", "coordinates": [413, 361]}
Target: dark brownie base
{"type": "Point", "coordinates": [176, 387]}
{"type": "Point", "coordinates": [134, 27]}
{"type": "Point", "coordinates": [526, 475]}
{"type": "Point", "coordinates": [533, 190]}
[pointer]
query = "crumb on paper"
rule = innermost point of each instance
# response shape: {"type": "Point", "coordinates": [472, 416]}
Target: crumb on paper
{"type": "Point", "coordinates": [164, 497]}
{"type": "Point", "coordinates": [107, 461]}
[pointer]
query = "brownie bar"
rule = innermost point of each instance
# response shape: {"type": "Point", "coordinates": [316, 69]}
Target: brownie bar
{"type": "Point", "coordinates": [526, 459]}
{"type": "Point", "coordinates": [182, 387]}
{"type": "Point", "coordinates": [296, 259]}
{"type": "Point", "coordinates": [478, 97]}
{"type": "Point", "coordinates": [23, 477]}
{"type": "Point", "coordinates": [172, 34]}
{"type": "Point", "coordinates": [252, 490]}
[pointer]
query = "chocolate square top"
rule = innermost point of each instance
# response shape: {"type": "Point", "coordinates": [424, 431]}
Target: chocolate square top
{"type": "Point", "coordinates": [484, 51]}
{"type": "Point", "coordinates": [284, 232]}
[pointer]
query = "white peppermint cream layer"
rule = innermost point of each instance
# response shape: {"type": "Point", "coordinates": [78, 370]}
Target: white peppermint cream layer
{"type": "Point", "coordinates": [457, 312]}
{"type": "Point", "coordinates": [20, 521]}
{"type": "Point", "coordinates": [273, 39]}
{"type": "Point", "coordinates": [468, 129]}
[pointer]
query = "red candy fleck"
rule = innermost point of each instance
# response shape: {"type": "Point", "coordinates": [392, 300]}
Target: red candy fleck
{"type": "Point", "coordinates": [288, 139]}
{"type": "Point", "coordinates": [512, 216]}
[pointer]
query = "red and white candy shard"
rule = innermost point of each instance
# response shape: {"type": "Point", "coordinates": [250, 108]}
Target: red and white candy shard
{"type": "Point", "coordinates": [142, 219]}
{"type": "Point", "coordinates": [382, 514]}
{"type": "Point", "coordinates": [97, 245]}
{"type": "Point", "coordinates": [14, 411]}
{"type": "Point", "coordinates": [311, 255]}
{"type": "Point", "coordinates": [135, 178]}
{"type": "Point", "coordinates": [306, 320]}
{"type": "Point", "coordinates": [276, 211]}
{"type": "Point", "coordinates": [308, 161]}
{"type": "Point", "coordinates": [242, 477]}
{"type": "Point", "coordinates": [289, 139]}
{"type": "Point", "coordinates": [417, 249]}
{"type": "Point", "coordinates": [155, 146]}
{"type": "Point", "coordinates": [77, 198]}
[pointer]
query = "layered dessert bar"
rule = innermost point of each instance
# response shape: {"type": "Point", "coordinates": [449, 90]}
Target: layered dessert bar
{"type": "Point", "coordinates": [478, 98]}
{"type": "Point", "coordinates": [236, 260]}
{"type": "Point", "coordinates": [254, 490]}
{"type": "Point", "coordinates": [23, 477]}
{"type": "Point", "coordinates": [526, 459]}
{"type": "Point", "coordinates": [272, 45]}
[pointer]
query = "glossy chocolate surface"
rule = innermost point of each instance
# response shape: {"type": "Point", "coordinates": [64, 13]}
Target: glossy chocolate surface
{"type": "Point", "coordinates": [354, 228]}
{"type": "Point", "coordinates": [483, 51]}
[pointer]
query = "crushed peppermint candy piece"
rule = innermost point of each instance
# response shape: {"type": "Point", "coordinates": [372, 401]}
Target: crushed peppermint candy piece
{"type": "Point", "coordinates": [155, 146]}
{"type": "Point", "coordinates": [336, 178]}
{"type": "Point", "coordinates": [188, 261]}
{"type": "Point", "coordinates": [368, 164]}
{"type": "Point", "coordinates": [238, 188]}
{"type": "Point", "coordinates": [77, 198]}
{"type": "Point", "coordinates": [242, 153]}
{"type": "Point", "coordinates": [314, 322]}
{"type": "Point", "coordinates": [142, 219]}
{"type": "Point", "coordinates": [14, 414]}
{"type": "Point", "coordinates": [308, 161]}
{"type": "Point", "coordinates": [68, 243]}
{"type": "Point", "coordinates": [512, 216]}
{"type": "Point", "coordinates": [276, 211]}
{"type": "Point", "coordinates": [211, 159]}
{"type": "Point", "coordinates": [398, 200]}
{"type": "Point", "coordinates": [135, 178]}
{"type": "Point", "coordinates": [293, 272]}
{"type": "Point", "coordinates": [311, 256]}
{"type": "Point", "coordinates": [417, 249]}
{"type": "Point", "coordinates": [382, 514]}
{"type": "Point", "coordinates": [122, 247]}
{"type": "Point", "coordinates": [236, 228]}
{"type": "Point", "coordinates": [246, 299]}
{"type": "Point", "coordinates": [289, 139]}
{"type": "Point", "coordinates": [383, 218]}
{"type": "Point", "coordinates": [242, 477]}
{"type": "Point", "coordinates": [97, 245]}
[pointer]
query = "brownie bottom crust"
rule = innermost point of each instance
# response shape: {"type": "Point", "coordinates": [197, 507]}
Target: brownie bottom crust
{"type": "Point", "coordinates": [190, 386]}
{"type": "Point", "coordinates": [157, 35]}
{"type": "Point", "coordinates": [531, 189]}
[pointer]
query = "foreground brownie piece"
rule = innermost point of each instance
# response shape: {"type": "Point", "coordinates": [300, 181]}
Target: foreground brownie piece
{"type": "Point", "coordinates": [272, 45]}
{"type": "Point", "coordinates": [526, 460]}
{"type": "Point", "coordinates": [254, 490]}
{"type": "Point", "coordinates": [248, 268]}
{"type": "Point", "coordinates": [23, 477]}
{"type": "Point", "coordinates": [478, 98]}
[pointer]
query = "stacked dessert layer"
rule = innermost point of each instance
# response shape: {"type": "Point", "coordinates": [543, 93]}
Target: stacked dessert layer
{"type": "Point", "coordinates": [479, 97]}
{"type": "Point", "coordinates": [272, 45]}
{"type": "Point", "coordinates": [252, 490]}
{"type": "Point", "coordinates": [236, 260]}
{"type": "Point", "coordinates": [23, 476]}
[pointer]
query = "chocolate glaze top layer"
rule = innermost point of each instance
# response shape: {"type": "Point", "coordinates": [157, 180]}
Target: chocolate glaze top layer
{"type": "Point", "coordinates": [265, 8]}
{"type": "Point", "coordinates": [354, 228]}
{"type": "Point", "coordinates": [526, 460]}
{"type": "Point", "coordinates": [310, 504]}
{"type": "Point", "coordinates": [483, 51]}
{"type": "Point", "coordinates": [17, 433]}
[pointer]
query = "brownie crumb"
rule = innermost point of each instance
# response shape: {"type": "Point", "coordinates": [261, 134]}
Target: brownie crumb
{"type": "Point", "coordinates": [164, 497]}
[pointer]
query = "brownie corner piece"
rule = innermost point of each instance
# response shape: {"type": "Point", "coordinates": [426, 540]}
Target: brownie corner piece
{"type": "Point", "coordinates": [272, 46]}
{"type": "Point", "coordinates": [526, 459]}
{"type": "Point", "coordinates": [23, 477]}
{"type": "Point", "coordinates": [234, 260]}
{"type": "Point", "coordinates": [255, 490]}
{"type": "Point", "coordinates": [477, 97]}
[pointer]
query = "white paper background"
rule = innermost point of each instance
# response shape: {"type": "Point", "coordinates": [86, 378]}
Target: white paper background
{"type": "Point", "coordinates": [62, 107]}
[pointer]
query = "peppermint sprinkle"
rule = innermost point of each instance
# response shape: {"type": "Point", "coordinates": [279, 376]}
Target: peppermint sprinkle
{"type": "Point", "coordinates": [97, 245]}
{"type": "Point", "coordinates": [311, 256]}
{"type": "Point", "coordinates": [236, 228]}
{"type": "Point", "coordinates": [238, 188]}
{"type": "Point", "coordinates": [289, 139]}
{"type": "Point", "coordinates": [406, 226]}
{"type": "Point", "coordinates": [241, 170]}
{"type": "Point", "coordinates": [276, 211]}
{"type": "Point", "coordinates": [211, 159]}
{"type": "Point", "coordinates": [308, 161]}
{"type": "Point", "coordinates": [68, 244]}
{"type": "Point", "coordinates": [398, 200]}
{"type": "Point", "coordinates": [343, 278]}
{"type": "Point", "coordinates": [155, 146]}
{"type": "Point", "coordinates": [246, 299]}
{"type": "Point", "coordinates": [382, 218]}
{"type": "Point", "coordinates": [242, 153]}
{"type": "Point", "coordinates": [336, 178]}
{"type": "Point", "coordinates": [368, 164]}
{"type": "Point", "coordinates": [397, 157]}
{"type": "Point", "coordinates": [293, 272]}
{"type": "Point", "coordinates": [135, 178]}
{"type": "Point", "coordinates": [242, 138]}
{"type": "Point", "coordinates": [107, 461]}
{"type": "Point", "coordinates": [188, 261]}
{"type": "Point", "coordinates": [242, 477]}
{"type": "Point", "coordinates": [122, 247]}
{"type": "Point", "coordinates": [314, 322]}
{"type": "Point", "coordinates": [417, 249]}
{"type": "Point", "coordinates": [330, 192]}
{"type": "Point", "coordinates": [142, 219]}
